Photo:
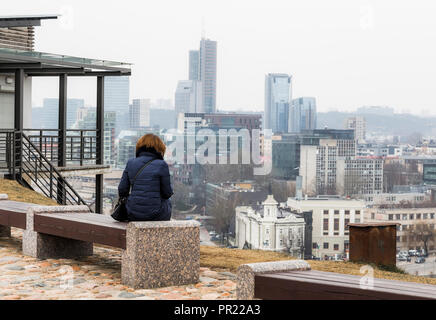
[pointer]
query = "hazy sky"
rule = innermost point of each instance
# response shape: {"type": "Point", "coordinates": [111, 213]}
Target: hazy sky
{"type": "Point", "coordinates": [345, 53]}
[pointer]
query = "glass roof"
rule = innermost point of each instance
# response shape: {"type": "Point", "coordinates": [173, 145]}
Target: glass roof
{"type": "Point", "coordinates": [59, 59]}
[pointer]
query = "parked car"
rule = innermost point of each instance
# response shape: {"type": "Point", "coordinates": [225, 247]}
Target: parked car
{"type": "Point", "coordinates": [404, 258]}
{"type": "Point", "coordinates": [413, 253]}
{"type": "Point", "coordinates": [404, 253]}
{"type": "Point", "coordinates": [420, 260]}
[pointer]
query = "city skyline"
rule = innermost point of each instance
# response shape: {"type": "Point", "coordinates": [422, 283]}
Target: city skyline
{"type": "Point", "coordinates": [342, 59]}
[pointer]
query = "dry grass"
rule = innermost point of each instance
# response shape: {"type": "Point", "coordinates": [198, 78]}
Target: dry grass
{"type": "Point", "coordinates": [16, 192]}
{"type": "Point", "coordinates": [229, 259]}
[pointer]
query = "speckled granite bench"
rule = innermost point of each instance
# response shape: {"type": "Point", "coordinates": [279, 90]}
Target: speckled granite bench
{"type": "Point", "coordinates": [156, 254]}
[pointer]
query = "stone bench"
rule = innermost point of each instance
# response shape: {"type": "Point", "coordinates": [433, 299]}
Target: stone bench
{"type": "Point", "coordinates": [294, 280]}
{"type": "Point", "coordinates": [155, 254]}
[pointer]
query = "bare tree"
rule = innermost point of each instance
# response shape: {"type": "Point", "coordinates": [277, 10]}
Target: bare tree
{"type": "Point", "coordinates": [224, 214]}
{"type": "Point", "coordinates": [421, 234]}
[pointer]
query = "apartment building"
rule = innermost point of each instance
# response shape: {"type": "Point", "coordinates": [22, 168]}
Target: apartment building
{"type": "Point", "coordinates": [411, 223]}
{"type": "Point", "coordinates": [330, 219]}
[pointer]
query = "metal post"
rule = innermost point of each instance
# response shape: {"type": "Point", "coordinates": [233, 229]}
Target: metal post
{"type": "Point", "coordinates": [100, 145]}
{"type": "Point", "coordinates": [18, 122]}
{"type": "Point", "coordinates": [63, 96]}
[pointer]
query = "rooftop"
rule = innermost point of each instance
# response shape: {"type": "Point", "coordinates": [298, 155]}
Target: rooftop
{"type": "Point", "coordinates": [24, 20]}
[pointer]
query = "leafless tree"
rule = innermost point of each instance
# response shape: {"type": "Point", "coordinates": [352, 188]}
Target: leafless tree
{"type": "Point", "coordinates": [421, 234]}
{"type": "Point", "coordinates": [224, 214]}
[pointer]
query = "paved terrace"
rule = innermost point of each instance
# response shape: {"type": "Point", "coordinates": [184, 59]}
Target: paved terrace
{"type": "Point", "coordinates": [96, 277]}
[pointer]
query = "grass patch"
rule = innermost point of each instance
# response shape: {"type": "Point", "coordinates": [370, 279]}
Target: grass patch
{"type": "Point", "coordinates": [17, 192]}
{"type": "Point", "coordinates": [230, 259]}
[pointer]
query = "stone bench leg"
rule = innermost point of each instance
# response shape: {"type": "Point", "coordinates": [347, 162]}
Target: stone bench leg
{"type": "Point", "coordinates": [44, 246]}
{"type": "Point", "coordinates": [161, 254]}
{"type": "Point", "coordinates": [247, 272]}
{"type": "Point", "coordinates": [5, 232]}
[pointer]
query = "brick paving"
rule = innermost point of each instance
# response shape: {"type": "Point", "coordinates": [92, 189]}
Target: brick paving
{"type": "Point", "coordinates": [97, 277]}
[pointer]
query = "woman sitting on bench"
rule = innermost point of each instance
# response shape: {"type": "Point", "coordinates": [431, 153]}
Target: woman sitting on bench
{"type": "Point", "coordinates": [147, 177]}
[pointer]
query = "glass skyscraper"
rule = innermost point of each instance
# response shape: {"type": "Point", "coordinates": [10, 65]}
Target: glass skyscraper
{"type": "Point", "coordinates": [278, 93]}
{"type": "Point", "coordinates": [116, 98]}
{"type": "Point", "coordinates": [194, 63]}
{"type": "Point", "coordinates": [208, 74]}
{"type": "Point", "coordinates": [303, 115]}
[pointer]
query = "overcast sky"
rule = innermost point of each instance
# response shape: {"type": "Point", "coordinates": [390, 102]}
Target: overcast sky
{"type": "Point", "coordinates": [345, 53]}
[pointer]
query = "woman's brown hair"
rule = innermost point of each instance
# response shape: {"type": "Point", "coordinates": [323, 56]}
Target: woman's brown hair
{"type": "Point", "coordinates": [151, 141]}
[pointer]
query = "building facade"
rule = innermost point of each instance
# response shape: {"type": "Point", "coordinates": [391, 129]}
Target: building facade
{"type": "Point", "coordinates": [358, 124]}
{"type": "Point", "coordinates": [116, 99]}
{"type": "Point", "coordinates": [194, 63]}
{"type": "Point", "coordinates": [139, 113]}
{"type": "Point", "coordinates": [303, 115]}
{"type": "Point", "coordinates": [271, 227]}
{"type": "Point", "coordinates": [188, 97]}
{"type": "Point", "coordinates": [278, 93]}
{"type": "Point", "coordinates": [208, 74]}
{"type": "Point", "coordinates": [330, 219]}
{"type": "Point", "coordinates": [412, 222]}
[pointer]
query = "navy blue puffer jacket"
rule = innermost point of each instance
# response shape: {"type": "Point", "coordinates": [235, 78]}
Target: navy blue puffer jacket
{"type": "Point", "coordinates": [149, 197]}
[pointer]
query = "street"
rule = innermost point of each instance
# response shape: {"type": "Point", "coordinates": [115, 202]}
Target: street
{"type": "Point", "coordinates": [423, 269]}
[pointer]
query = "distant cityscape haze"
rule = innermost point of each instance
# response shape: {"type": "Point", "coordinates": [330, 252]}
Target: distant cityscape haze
{"type": "Point", "coordinates": [346, 54]}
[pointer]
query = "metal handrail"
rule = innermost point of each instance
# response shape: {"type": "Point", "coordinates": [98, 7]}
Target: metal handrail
{"type": "Point", "coordinates": [53, 171]}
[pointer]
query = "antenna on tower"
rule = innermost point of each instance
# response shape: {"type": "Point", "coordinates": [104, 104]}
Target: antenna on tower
{"type": "Point", "coordinates": [203, 28]}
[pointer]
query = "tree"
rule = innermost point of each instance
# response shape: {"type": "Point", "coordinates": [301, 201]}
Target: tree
{"type": "Point", "coordinates": [421, 234]}
{"type": "Point", "coordinates": [180, 199]}
{"type": "Point", "coordinates": [224, 214]}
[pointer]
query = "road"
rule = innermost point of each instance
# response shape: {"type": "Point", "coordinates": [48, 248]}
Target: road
{"type": "Point", "coordinates": [422, 269]}
{"type": "Point", "coordinates": [205, 238]}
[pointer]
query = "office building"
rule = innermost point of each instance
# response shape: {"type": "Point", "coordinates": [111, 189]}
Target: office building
{"type": "Point", "coordinates": [303, 115]}
{"type": "Point", "coordinates": [277, 98]}
{"type": "Point", "coordinates": [139, 114]}
{"type": "Point", "coordinates": [208, 74]}
{"type": "Point", "coordinates": [330, 219]}
{"type": "Point", "coordinates": [188, 97]}
{"type": "Point", "coordinates": [194, 64]}
{"type": "Point", "coordinates": [358, 124]}
{"type": "Point", "coordinates": [116, 98]}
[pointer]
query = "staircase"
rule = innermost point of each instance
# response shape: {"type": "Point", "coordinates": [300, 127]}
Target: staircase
{"type": "Point", "coordinates": [21, 160]}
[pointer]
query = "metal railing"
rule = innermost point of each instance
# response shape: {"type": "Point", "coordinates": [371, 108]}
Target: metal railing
{"type": "Point", "coordinates": [80, 145]}
{"type": "Point", "coordinates": [29, 166]}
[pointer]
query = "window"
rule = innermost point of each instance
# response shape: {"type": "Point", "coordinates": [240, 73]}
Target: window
{"type": "Point", "coordinates": [404, 216]}
{"type": "Point", "coordinates": [418, 216]}
{"type": "Point", "coordinates": [372, 215]}
{"type": "Point", "coordinates": [336, 247]}
{"type": "Point", "coordinates": [398, 217]}
{"type": "Point", "coordinates": [336, 225]}
{"type": "Point", "coordinates": [326, 224]}
{"type": "Point", "coordinates": [314, 245]}
{"type": "Point", "coordinates": [326, 212]}
{"type": "Point", "coordinates": [326, 245]}
{"type": "Point", "coordinates": [425, 216]}
{"type": "Point", "coordinates": [411, 216]}
{"type": "Point", "coordinates": [347, 212]}
{"type": "Point", "coordinates": [391, 217]}
{"type": "Point", "coordinates": [346, 224]}
{"type": "Point", "coordinates": [357, 212]}
{"type": "Point", "coordinates": [336, 211]}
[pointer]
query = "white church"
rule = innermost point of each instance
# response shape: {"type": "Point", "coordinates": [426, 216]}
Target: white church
{"type": "Point", "coordinates": [270, 226]}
